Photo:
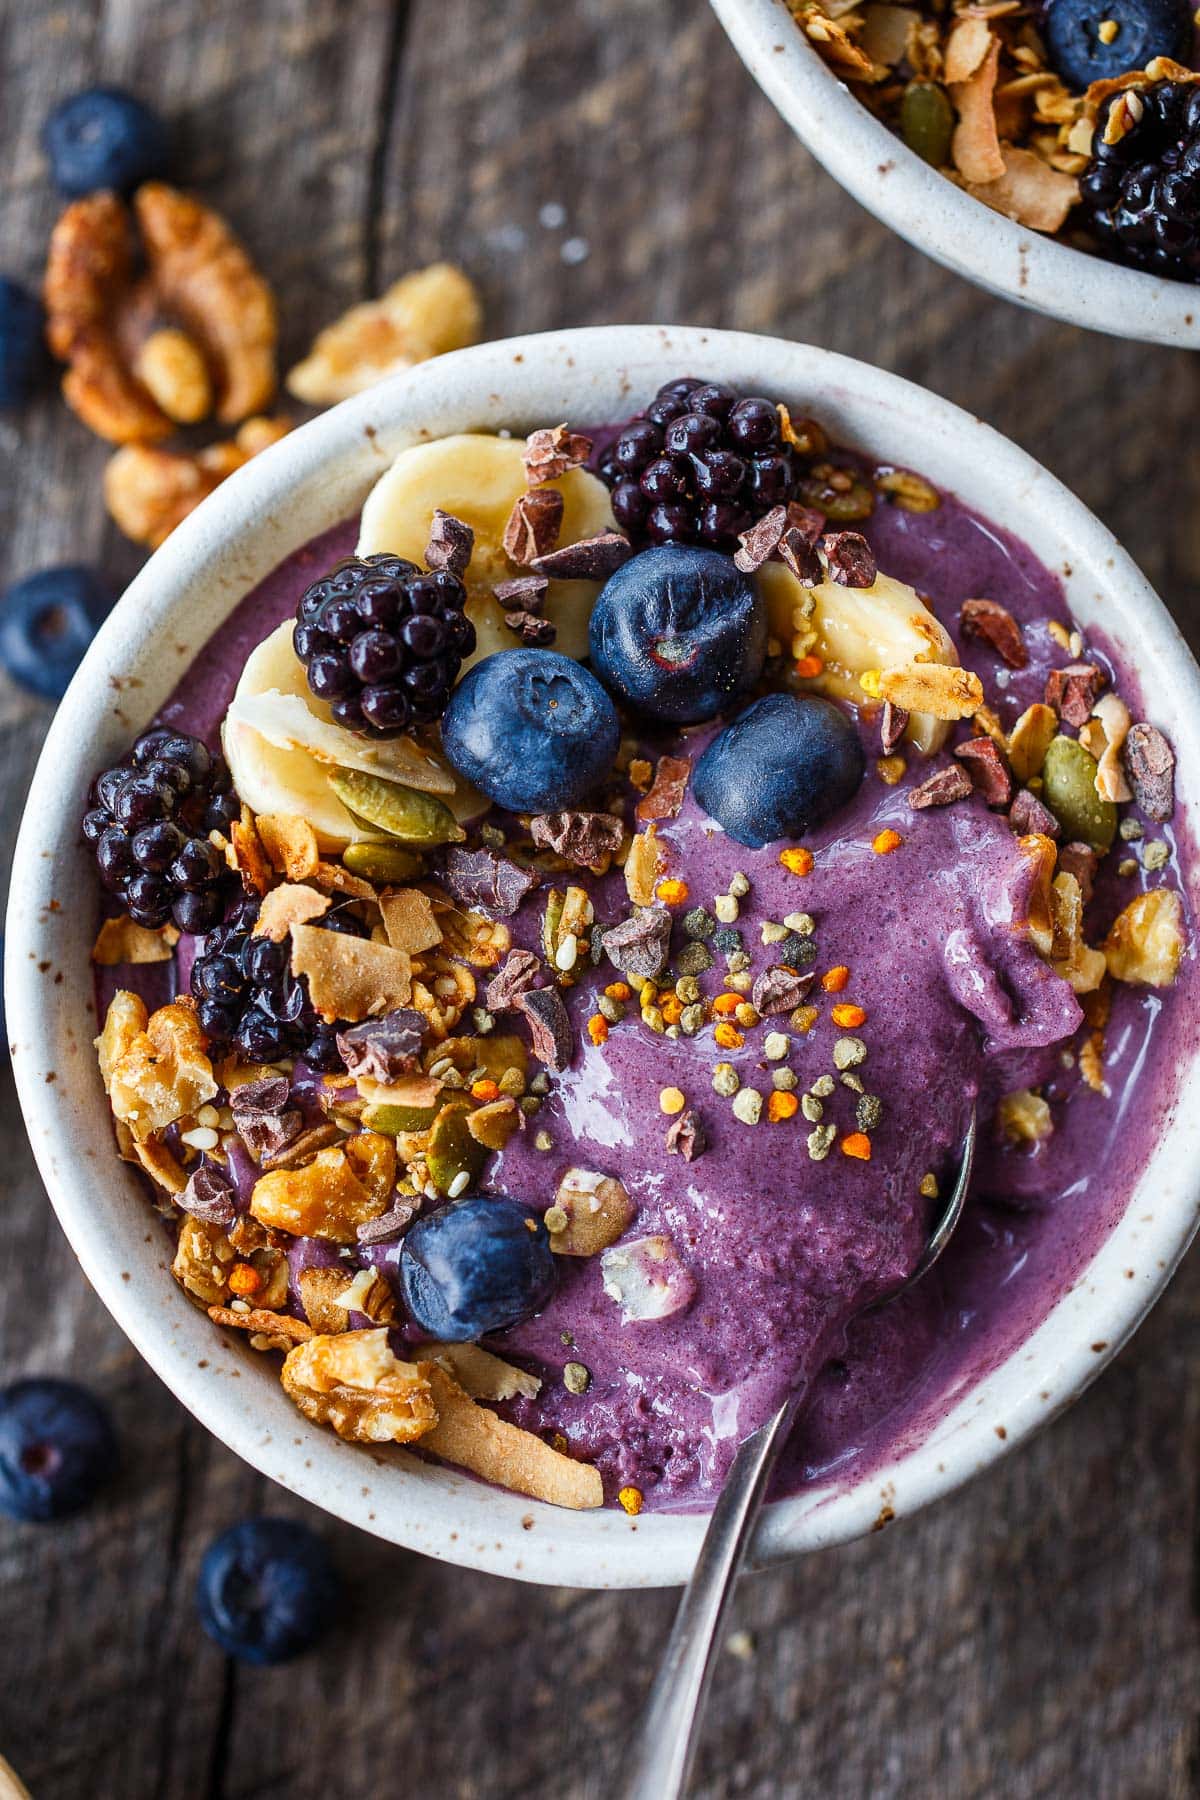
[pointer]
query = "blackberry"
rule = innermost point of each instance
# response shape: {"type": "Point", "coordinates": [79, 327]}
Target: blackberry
{"type": "Point", "coordinates": [1143, 192]}
{"type": "Point", "coordinates": [700, 466]}
{"type": "Point", "coordinates": [250, 1002]}
{"type": "Point", "coordinates": [382, 642]}
{"type": "Point", "coordinates": [148, 821]}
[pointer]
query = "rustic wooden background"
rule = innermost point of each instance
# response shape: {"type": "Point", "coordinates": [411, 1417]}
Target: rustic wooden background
{"type": "Point", "coordinates": [594, 160]}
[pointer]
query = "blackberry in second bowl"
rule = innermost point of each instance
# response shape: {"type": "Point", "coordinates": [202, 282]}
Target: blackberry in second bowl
{"type": "Point", "coordinates": [148, 822]}
{"type": "Point", "coordinates": [382, 642]}
{"type": "Point", "coordinates": [700, 466]}
{"type": "Point", "coordinates": [250, 1002]}
{"type": "Point", "coordinates": [1143, 191]}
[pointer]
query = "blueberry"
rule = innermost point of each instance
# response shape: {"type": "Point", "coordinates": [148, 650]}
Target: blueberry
{"type": "Point", "coordinates": [476, 1266]}
{"type": "Point", "coordinates": [22, 351]}
{"type": "Point", "coordinates": [267, 1590]}
{"type": "Point", "coordinates": [47, 622]}
{"type": "Point", "coordinates": [782, 767]}
{"type": "Point", "coordinates": [678, 633]}
{"type": "Point", "coordinates": [57, 1445]}
{"type": "Point", "coordinates": [1145, 29]}
{"type": "Point", "coordinates": [532, 729]}
{"type": "Point", "coordinates": [104, 138]}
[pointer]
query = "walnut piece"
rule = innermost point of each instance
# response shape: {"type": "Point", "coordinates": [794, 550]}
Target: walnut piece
{"type": "Point", "coordinates": [149, 491]}
{"type": "Point", "coordinates": [148, 350]}
{"type": "Point", "coordinates": [1023, 1117]}
{"type": "Point", "coordinates": [424, 314]}
{"type": "Point", "coordinates": [326, 1198]}
{"type": "Point", "coordinates": [353, 1382]}
{"type": "Point", "coordinates": [156, 1070]}
{"type": "Point", "coordinates": [1145, 942]}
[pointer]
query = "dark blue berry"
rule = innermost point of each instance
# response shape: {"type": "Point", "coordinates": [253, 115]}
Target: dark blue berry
{"type": "Point", "coordinates": [104, 138]}
{"type": "Point", "coordinates": [678, 633]}
{"type": "Point", "coordinates": [1145, 29]}
{"type": "Point", "coordinates": [22, 349]}
{"type": "Point", "coordinates": [57, 1446]}
{"type": "Point", "coordinates": [783, 766]}
{"type": "Point", "coordinates": [476, 1266]}
{"type": "Point", "coordinates": [532, 729]}
{"type": "Point", "coordinates": [267, 1590]}
{"type": "Point", "coordinates": [47, 621]}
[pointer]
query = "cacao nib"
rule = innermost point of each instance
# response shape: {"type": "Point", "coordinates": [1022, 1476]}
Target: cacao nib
{"type": "Point", "coordinates": [209, 1195]}
{"type": "Point", "coordinates": [996, 626]}
{"type": "Point", "coordinates": [550, 452]}
{"type": "Point", "coordinates": [385, 1048]}
{"type": "Point", "coordinates": [1028, 816]}
{"type": "Point", "coordinates": [515, 976]}
{"type": "Point", "coordinates": [988, 770]}
{"type": "Point", "coordinates": [639, 945]}
{"type": "Point", "coordinates": [264, 1121]}
{"type": "Point", "coordinates": [532, 629]}
{"type": "Point", "coordinates": [665, 798]}
{"type": "Point", "coordinates": [591, 559]}
{"type": "Point", "coordinates": [1073, 692]}
{"type": "Point", "coordinates": [1081, 861]}
{"type": "Point", "coordinates": [799, 555]}
{"type": "Point", "coordinates": [893, 723]}
{"type": "Point", "coordinates": [779, 989]}
{"type": "Point", "coordinates": [390, 1224]}
{"type": "Point", "coordinates": [941, 789]}
{"type": "Point", "coordinates": [451, 542]}
{"type": "Point", "coordinates": [550, 1034]}
{"type": "Point", "coordinates": [686, 1136]}
{"type": "Point", "coordinates": [851, 559]}
{"type": "Point", "coordinates": [760, 543]}
{"type": "Point", "coordinates": [481, 878]}
{"type": "Point", "coordinates": [524, 593]}
{"type": "Point", "coordinates": [533, 525]}
{"type": "Point", "coordinates": [584, 838]}
{"type": "Point", "coordinates": [1150, 766]}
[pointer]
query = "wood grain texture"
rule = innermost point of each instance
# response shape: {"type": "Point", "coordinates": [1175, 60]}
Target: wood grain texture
{"type": "Point", "coordinates": [605, 160]}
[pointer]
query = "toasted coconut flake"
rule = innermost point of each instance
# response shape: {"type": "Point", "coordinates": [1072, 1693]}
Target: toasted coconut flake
{"type": "Point", "coordinates": [281, 1327]}
{"type": "Point", "coordinates": [941, 689]}
{"type": "Point", "coordinates": [975, 146]}
{"type": "Point", "coordinates": [409, 921]}
{"type": "Point", "coordinates": [247, 856]}
{"type": "Point", "coordinates": [121, 941]}
{"type": "Point", "coordinates": [285, 906]}
{"type": "Point", "coordinates": [409, 1090]}
{"type": "Point", "coordinates": [163, 1168]}
{"type": "Point", "coordinates": [325, 1199]}
{"type": "Point", "coordinates": [420, 316]}
{"type": "Point", "coordinates": [643, 866]}
{"type": "Point", "coordinates": [354, 1383]}
{"type": "Point", "coordinates": [1146, 940]}
{"type": "Point", "coordinates": [322, 1295]}
{"type": "Point", "coordinates": [473, 1438]}
{"type": "Point", "coordinates": [967, 49]}
{"type": "Point", "coordinates": [350, 978]}
{"type": "Point", "coordinates": [1084, 969]}
{"type": "Point", "coordinates": [291, 844]}
{"type": "Point", "coordinates": [1026, 189]}
{"type": "Point", "coordinates": [1040, 924]}
{"type": "Point", "coordinates": [340, 881]}
{"type": "Point", "coordinates": [372, 1157]}
{"type": "Point", "coordinates": [156, 1075]}
{"type": "Point", "coordinates": [482, 1375]}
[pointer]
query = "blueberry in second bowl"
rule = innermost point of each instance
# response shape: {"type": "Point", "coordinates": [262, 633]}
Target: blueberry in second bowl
{"type": "Point", "coordinates": [476, 1266]}
{"type": "Point", "coordinates": [1145, 29]}
{"type": "Point", "coordinates": [267, 1589]}
{"type": "Point", "coordinates": [47, 622]}
{"type": "Point", "coordinates": [57, 1446]}
{"type": "Point", "coordinates": [532, 729]}
{"type": "Point", "coordinates": [104, 138]}
{"type": "Point", "coordinates": [783, 766]}
{"type": "Point", "coordinates": [679, 633]}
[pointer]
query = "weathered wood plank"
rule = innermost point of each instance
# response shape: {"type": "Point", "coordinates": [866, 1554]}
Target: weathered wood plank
{"type": "Point", "coordinates": [1033, 1636]}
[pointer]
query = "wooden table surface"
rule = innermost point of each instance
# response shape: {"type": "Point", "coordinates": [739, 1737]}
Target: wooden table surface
{"type": "Point", "coordinates": [591, 161]}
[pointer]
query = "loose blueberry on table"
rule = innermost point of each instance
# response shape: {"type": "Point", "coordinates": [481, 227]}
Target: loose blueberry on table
{"type": "Point", "coordinates": [267, 1590]}
{"type": "Point", "coordinates": [553, 843]}
{"type": "Point", "coordinates": [57, 1447]}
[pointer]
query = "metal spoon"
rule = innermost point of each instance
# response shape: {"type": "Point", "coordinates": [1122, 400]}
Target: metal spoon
{"type": "Point", "coordinates": [666, 1744]}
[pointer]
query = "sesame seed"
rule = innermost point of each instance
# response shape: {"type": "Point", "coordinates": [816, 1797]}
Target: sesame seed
{"type": "Point", "coordinates": [203, 1137]}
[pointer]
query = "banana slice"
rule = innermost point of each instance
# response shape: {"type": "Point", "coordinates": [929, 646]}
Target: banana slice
{"type": "Point", "coordinates": [884, 626]}
{"type": "Point", "coordinates": [479, 479]}
{"type": "Point", "coordinates": [281, 742]}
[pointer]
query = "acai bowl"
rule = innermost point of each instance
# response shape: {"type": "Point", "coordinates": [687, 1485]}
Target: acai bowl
{"type": "Point", "coordinates": [785, 1242]}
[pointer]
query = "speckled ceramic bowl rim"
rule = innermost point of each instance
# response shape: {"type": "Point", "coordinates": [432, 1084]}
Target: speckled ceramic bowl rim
{"type": "Point", "coordinates": [319, 475]}
{"type": "Point", "coordinates": [911, 198]}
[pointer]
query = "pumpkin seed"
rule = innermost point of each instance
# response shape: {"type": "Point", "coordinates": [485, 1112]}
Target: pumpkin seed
{"type": "Point", "coordinates": [383, 862]}
{"type": "Point", "coordinates": [927, 121]}
{"type": "Point", "coordinates": [403, 812]}
{"type": "Point", "coordinates": [1069, 790]}
{"type": "Point", "coordinates": [452, 1150]}
{"type": "Point", "coordinates": [391, 1119]}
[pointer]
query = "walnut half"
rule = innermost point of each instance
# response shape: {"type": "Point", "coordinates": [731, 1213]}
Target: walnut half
{"type": "Point", "coordinates": [148, 491]}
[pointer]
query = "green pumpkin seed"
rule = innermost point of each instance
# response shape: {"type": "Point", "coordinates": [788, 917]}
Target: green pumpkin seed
{"type": "Point", "coordinates": [403, 812]}
{"type": "Point", "coordinates": [1069, 790]}
{"type": "Point", "coordinates": [452, 1150]}
{"type": "Point", "coordinates": [391, 1119]}
{"type": "Point", "coordinates": [927, 121]}
{"type": "Point", "coordinates": [383, 862]}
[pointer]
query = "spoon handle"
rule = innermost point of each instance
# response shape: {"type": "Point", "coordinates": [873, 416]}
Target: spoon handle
{"type": "Point", "coordinates": [663, 1750]}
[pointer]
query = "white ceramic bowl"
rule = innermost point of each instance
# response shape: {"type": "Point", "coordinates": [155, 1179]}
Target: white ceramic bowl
{"type": "Point", "coordinates": [320, 475]}
{"type": "Point", "coordinates": [891, 181]}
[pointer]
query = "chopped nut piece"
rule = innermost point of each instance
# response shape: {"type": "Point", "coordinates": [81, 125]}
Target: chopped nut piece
{"type": "Point", "coordinates": [643, 866]}
{"type": "Point", "coordinates": [155, 1069]}
{"type": "Point", "coordinates": [942, 689]}
{"type": "Point", "coordinates": [1146, 940]}
{"type": "Point", "coordinates": [354, 1383]}
{"type": "Point", "coordinates": [1024, 1117]}
{"type": "Point", "coordinates": [325, 1199]}
{"type": "Point", "coordinates": [148, 491]}
{"type": "Point", "coordinates": [647, 1279]}
{"type": "Point", "coordinates": [1150, 766]}
{"type": "Point", "coordinates": [171, 366]}
{"type": "Point", "coordinates": [420, 316]}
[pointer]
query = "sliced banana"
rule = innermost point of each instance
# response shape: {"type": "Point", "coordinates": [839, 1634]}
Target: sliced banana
{"type": "Point", "coordinates": [479, 479]}
{"type": "Point", "coordinates": [884, 626]}
{"type": "Point", "coordinates": [281, 742]}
